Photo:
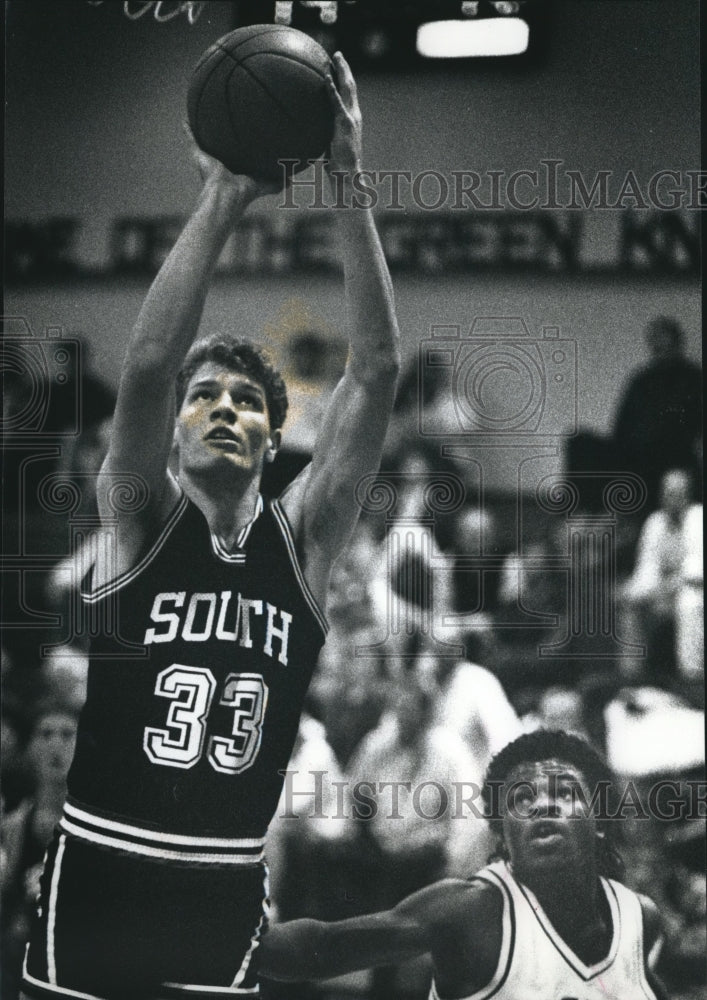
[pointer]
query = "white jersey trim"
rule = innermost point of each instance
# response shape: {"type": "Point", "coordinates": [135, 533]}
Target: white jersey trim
{"type": "Point", "coordinates": [98, 830]}
{"type": "Point", "coordinates": [235, 989]}
{"type": "Point", "coordinates": [157, 852]}
{"type": "Point", "coordinates": [51, 915]}
{"type": "Point", "coordinates": [655, 951]}
{"type": "Point", "coordinates": [112, 586]}
{"type": "Point", "coordinates": [627, 899]}
{"type": "Point", "coordinates": [59, 990]}
{"type": "Point", "coordinates": [508, 935]}
{"type": "Point", "coordinates": [254, 942]}
{"type": "Point", "coordinates": [227, 991]}
{"type": "Point", "coordinates": [237, 556]}
{"type": "Point", "coordinates": [223, 990]}
{"type": "Point", "coordinates": [586, 972]}
{"type": "Point", "coordinates": [158, 836]}
{"type": "Point", "coordinates": [284, 525]}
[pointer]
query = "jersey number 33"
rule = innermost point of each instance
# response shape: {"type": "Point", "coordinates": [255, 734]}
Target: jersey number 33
{"type": "Point", "coordinates": [191, 691]}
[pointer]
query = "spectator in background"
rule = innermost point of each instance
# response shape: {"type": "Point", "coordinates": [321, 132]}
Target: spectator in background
{"type": "Point", "coordinates": [11, 776]}
{"type": "Point", "coordinates": [533, 584]}
{"type": "Point", "coordinates": [659, 419]}
{"type": "Point", "coordinates": [419, 773]}
{"type": "Point", "coordinates": [658, 580]}
{"type": "Point", "coordinates": [348, 688]}
{"type": "Point", "coordinates": [473, 704]}
{"type": "Point", "coordinates": [348, 691]}
{"type": "Point", "coordinates": [28, 828]}
{"type": "Point", "coordinates": [79, 464]}
{"type": "Point", "coordinates": [39, 489]}
{"type": "Point", "coordinates": [423, 842]}
{"type": "Point", "coordinates": [689, 602]}
{"type": "Point", "coordinates": [416, 595]}
{"type": "Point", "coordinates": [311, 840]}
{"type": "Point", "coordinates": [559, 707]}
{"type": "Point", "coordinates": [64, 674]}
{"type": "Point", "coordinates": [474, 593]}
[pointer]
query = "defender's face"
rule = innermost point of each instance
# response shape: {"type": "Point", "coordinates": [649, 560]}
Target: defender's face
{"type": "Point", "coordinates": [546, 822]}
{"type": "Point", "coordinates": [224, 423]}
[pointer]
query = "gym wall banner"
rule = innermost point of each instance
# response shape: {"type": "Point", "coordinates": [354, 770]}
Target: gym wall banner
{"type": "Point", "coordinates": [625, 242]}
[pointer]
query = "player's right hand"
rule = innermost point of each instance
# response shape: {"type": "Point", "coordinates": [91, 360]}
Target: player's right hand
{"type": "Point", "coordinates": [242, 186]}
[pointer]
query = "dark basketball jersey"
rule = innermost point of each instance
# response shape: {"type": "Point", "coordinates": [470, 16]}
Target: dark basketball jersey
{"type": "Point", "coordinates": [180, 745]}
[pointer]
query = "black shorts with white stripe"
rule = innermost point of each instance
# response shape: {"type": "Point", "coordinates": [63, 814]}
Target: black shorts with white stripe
{"type": "Point", "coordinates": [112, 925]}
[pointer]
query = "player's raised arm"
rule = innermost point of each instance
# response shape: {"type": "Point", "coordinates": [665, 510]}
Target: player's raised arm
{"type": "Point", "coordinates": [165, 329]}
{"type": "Point", "coordinates": [321, 505]}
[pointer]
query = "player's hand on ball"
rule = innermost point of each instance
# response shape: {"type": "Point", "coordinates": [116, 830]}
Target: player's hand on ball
{"type": "Point", "coordinates": [345, 149]}
{"type": "Point", "coordinates": [212, 171]}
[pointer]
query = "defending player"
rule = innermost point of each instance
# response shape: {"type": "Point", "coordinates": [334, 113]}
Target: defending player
{"type": "Point", "coordinates": [549, 920]}
{"type": "Point", "coordinates": [155, 882]}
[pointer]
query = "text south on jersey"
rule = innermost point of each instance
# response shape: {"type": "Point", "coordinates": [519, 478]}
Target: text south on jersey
{"type": "Point", "coordinates": [204, 616]}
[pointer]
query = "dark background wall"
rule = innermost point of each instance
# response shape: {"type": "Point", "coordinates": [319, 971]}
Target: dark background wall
{"type": "Point", "coordinates": [93, 131]}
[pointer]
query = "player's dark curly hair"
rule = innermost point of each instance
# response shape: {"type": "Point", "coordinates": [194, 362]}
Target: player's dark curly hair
{"type": "Point", "coordinates": [239, 356]}
{"type": "Point", "coordinates": [556, 744]}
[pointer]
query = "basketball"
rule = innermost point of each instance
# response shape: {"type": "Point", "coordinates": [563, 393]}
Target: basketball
{"type": "Point", "coordinates": [259, 95]}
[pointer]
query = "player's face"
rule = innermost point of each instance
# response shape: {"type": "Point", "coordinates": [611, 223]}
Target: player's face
{"type": "Point", "coordinates": [224, 423]}
{"type": "Point", "coordinates": [52, 745]}
{"type": "Point", "coordinates": [546, 822]}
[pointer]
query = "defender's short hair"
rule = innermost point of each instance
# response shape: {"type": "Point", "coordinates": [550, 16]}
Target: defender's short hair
{"type": "Point", "coordinates": [549, 744]}
{"type": "Point", "coordinates": [239, 356]}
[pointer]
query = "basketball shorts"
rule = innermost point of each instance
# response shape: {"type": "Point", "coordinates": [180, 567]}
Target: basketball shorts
{"type": "Point", "coordinates": [116, 926]}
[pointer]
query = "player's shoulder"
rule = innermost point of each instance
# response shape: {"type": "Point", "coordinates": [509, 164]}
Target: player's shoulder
{"type": "Point", "coordinates": [453, 913]}
{"type": "Point", "coordinates": [455, 902]}
{"type": "Point", "coordinates": [147, 524]}
{"type": "Point", "coordinates": [653, 940]}
{"type": "Point", "coordinates": [650, 922]}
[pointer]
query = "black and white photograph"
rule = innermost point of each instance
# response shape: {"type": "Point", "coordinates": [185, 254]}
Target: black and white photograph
{"type": "Point", "coordinates": [352, 561]}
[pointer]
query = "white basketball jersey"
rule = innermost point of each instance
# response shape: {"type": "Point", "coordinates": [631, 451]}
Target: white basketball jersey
{"type": "Point", "coordinates": [536, 964]}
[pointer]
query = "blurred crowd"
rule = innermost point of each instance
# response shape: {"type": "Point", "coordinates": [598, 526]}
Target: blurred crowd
{"type": "Point", "coordinates": [448, 637]}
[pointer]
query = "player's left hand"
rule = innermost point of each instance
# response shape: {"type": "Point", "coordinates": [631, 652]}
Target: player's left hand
{"type": "Point", "coordinates": [345, 148]}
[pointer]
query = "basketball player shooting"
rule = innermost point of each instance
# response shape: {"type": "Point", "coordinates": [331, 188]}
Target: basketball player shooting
{"type": "Point", "coordinates": [155, 883]}
{"type": "Point", "coordinates": [549, 918]}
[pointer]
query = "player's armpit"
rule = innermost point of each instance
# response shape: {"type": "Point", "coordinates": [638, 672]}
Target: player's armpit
{"type": "Point", "coordinates": [322, 506]}
{"type": "Point", "coordinates": [465, 931]}
{"type": "Point", "coordinates": [652, 931]}
{"type": "Point", "coordinates": [653, 938]}
{"type": "Point", "coordinates": [306, 950]}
